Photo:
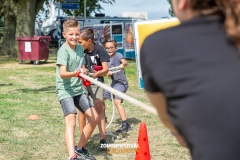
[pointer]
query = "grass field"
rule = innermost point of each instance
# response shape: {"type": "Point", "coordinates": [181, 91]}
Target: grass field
{"type": "Point", "coordinates": [27, 89]}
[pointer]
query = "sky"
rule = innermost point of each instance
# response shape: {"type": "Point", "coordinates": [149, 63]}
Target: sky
{"type": "Point", "coordinates": [156, 9]}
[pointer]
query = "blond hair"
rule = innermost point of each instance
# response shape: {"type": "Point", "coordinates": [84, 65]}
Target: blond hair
{"type": "Point", "coordinates": [70, 23]}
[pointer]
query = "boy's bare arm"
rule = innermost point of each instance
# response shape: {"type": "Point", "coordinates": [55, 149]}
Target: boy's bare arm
{"type": "Point", "coordinates": [123, 63]}
{"type": "Point", "coordinates": [84, 70]}
{"type": "Point", "coordinates": [103, 72]}
{"type": "Point", "coordinates": [64, 73]}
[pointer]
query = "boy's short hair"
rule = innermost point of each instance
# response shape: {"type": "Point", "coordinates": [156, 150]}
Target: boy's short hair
{"type": "Point", "coordinates": [70, 23]}
{"type": "Point", "coordinates": [87, 33]}
{"type": "Point", "coordinates": [112, 41]}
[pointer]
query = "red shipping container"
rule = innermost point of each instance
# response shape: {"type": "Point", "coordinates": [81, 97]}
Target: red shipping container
{"type": "Point", "coordinates": [33, 48]}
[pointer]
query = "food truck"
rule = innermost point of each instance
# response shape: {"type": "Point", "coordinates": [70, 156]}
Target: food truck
{"type": "Point", "coordinates": [118, 28]}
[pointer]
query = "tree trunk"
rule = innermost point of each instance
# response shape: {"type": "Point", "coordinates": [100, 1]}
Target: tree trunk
{"type": "Point", "coordinates": [8, 31]}
{"type": "Point", "coordinates": [22, 20]}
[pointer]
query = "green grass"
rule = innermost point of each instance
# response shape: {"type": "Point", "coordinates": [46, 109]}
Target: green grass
{"type": "Point", "coordinates": [27, 89]}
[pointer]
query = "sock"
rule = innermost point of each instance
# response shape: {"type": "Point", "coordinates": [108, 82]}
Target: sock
{"type": "Point", "coordinates": [75, 156]}
{"type": "Point", "coordinates": [125, 122]}
{"type": "Point", "coordinates": [103, 141]}
{"type": "Point", "coordinates": [79, 149]}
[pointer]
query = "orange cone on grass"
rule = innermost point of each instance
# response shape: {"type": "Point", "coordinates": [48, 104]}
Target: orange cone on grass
{"type": "Point", "coordinates": [143, 152]}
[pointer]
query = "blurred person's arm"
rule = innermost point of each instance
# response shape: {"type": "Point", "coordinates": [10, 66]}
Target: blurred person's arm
{"type": "Point", "coordinates": [159, 103]}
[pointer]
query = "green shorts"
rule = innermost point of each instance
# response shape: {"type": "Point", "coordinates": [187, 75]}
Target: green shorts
{"type": "Point", "coordinates": [94, 91]}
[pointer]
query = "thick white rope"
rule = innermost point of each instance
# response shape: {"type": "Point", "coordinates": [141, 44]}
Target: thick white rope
{"type": "Point", "coordinates": [113, 106]}
{"type": "Point", "coordinates": [118, 67]}
{"type": "Point", "coordinates": [120, 94]}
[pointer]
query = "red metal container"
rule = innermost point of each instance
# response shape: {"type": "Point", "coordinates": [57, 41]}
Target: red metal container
{"type": "Point", "coordinates": [33, 48]}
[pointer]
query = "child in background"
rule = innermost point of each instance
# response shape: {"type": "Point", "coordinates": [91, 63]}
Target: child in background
{"type": "Point", "coordinates": [119, 81]}
{"type": "Point", "coordinates": [70, 92]}
{"type": "Point", "coordinates": [95, 57]}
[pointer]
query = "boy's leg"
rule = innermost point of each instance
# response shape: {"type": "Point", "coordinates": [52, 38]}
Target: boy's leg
{"type": "Point", "coordinates": [81, 121]}
{"type": "Point", "coordinates": [92, 118]}
{"type": "Point", "coordinates": [97, 95]}
{"type": "Point", "coordinates": [98, 105]}
{"type": "Point", "coordinates": [81, 116]}
{"type": "Point", "coordinates": [118, 103]}
{"type": "Point", "coordinates": [125, 125]}
{"type": "Point", "coordinates": [69, 112]}
{"type": "Point", "coordinates": [121, 111]}
{"type": "Point", "coordinates": [70, 122]}
{"type": "Point", "coordinates": [84, 105]}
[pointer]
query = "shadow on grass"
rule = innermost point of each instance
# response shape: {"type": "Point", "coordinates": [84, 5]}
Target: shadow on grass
{"type": "Point", "coordinates": [117, 122]}
{"type": "Point", "coordinates": [9, 84]}
{"type": "Point", "coordinates": [93, 144]}
{"type": "Point", "coordinates": [44, 89]}
{"type": "Point", "coordinates": [131, 121]}
{"type": "Point", "coordinates": [41, 62]}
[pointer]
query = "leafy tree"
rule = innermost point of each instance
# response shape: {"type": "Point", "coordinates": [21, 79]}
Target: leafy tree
{"type": "Point", "coordinates": [19, 20]}
{"type": "Point", "coordinates": [170, 10]}
{"type": "Point", "coordinates": [91, 6]}
{"type": "Point", "coordinates": [1, 10]}
{"type": "Point", "coordinates": [20, 16]}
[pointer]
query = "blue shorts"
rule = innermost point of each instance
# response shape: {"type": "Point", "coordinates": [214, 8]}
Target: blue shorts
{"type": "Point", "coordinates": [120, 87]}
{"type": "Point", "coordinates": [81, 102]}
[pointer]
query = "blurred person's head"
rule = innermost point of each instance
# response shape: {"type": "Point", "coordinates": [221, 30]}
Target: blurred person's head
{"type": "Point", "coordinates": [71, 32]}
{"type": "Point", "coordinates": [229, 10]}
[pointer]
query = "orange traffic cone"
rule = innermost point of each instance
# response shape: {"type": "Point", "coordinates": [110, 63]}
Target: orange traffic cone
{"type": "Point", "coordinates": [142, 152]}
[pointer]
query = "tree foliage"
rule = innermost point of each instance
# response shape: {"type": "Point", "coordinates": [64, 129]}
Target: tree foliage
{"type": "Point", "coordinates": [92, 6]}
{"type": "Point", "coordinates": [20, 16]}
{"type": "Point", "coordinates": [19, 20]}
{"type": "Point", "coordinates": [170, 10]}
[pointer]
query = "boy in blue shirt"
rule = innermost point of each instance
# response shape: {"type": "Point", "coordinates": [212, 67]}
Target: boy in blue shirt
{"type": "Point", "coordinates": [119, 81]}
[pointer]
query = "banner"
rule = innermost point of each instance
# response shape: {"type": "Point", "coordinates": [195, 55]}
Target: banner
{"type": "Point", "coordinates": [103, 32]}
{"type": "Point", "coordinates": [129, 41]}
{"type": "Point", "coordinates": [142, 30]}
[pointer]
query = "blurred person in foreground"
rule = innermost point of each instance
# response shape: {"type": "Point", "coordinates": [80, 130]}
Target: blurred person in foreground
{"type": "Point", "coordinates": [191, 74]}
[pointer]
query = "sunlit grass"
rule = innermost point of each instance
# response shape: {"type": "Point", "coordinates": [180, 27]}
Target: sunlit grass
{"type": "Point", "coordinates": [27, 89]}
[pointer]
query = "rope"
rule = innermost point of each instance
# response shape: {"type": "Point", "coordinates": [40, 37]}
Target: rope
{"type": "Point", "coordinates": [113, 106]}
{"type": "Point", "coordinates": [120, 94]}
{"type": "Point", "coordinates": [119, 69]}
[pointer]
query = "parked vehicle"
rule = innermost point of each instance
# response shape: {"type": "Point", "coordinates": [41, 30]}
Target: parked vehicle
{"type": "Point", "coordinates": [104, 28]}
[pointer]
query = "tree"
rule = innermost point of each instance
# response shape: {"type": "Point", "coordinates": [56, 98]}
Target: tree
{"type": "Point", "coordinates": [19, 19]}
{"type": "Point", "coordinates": [170, 10]}
{"type": "Point", "coordinates": [91, 6]}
